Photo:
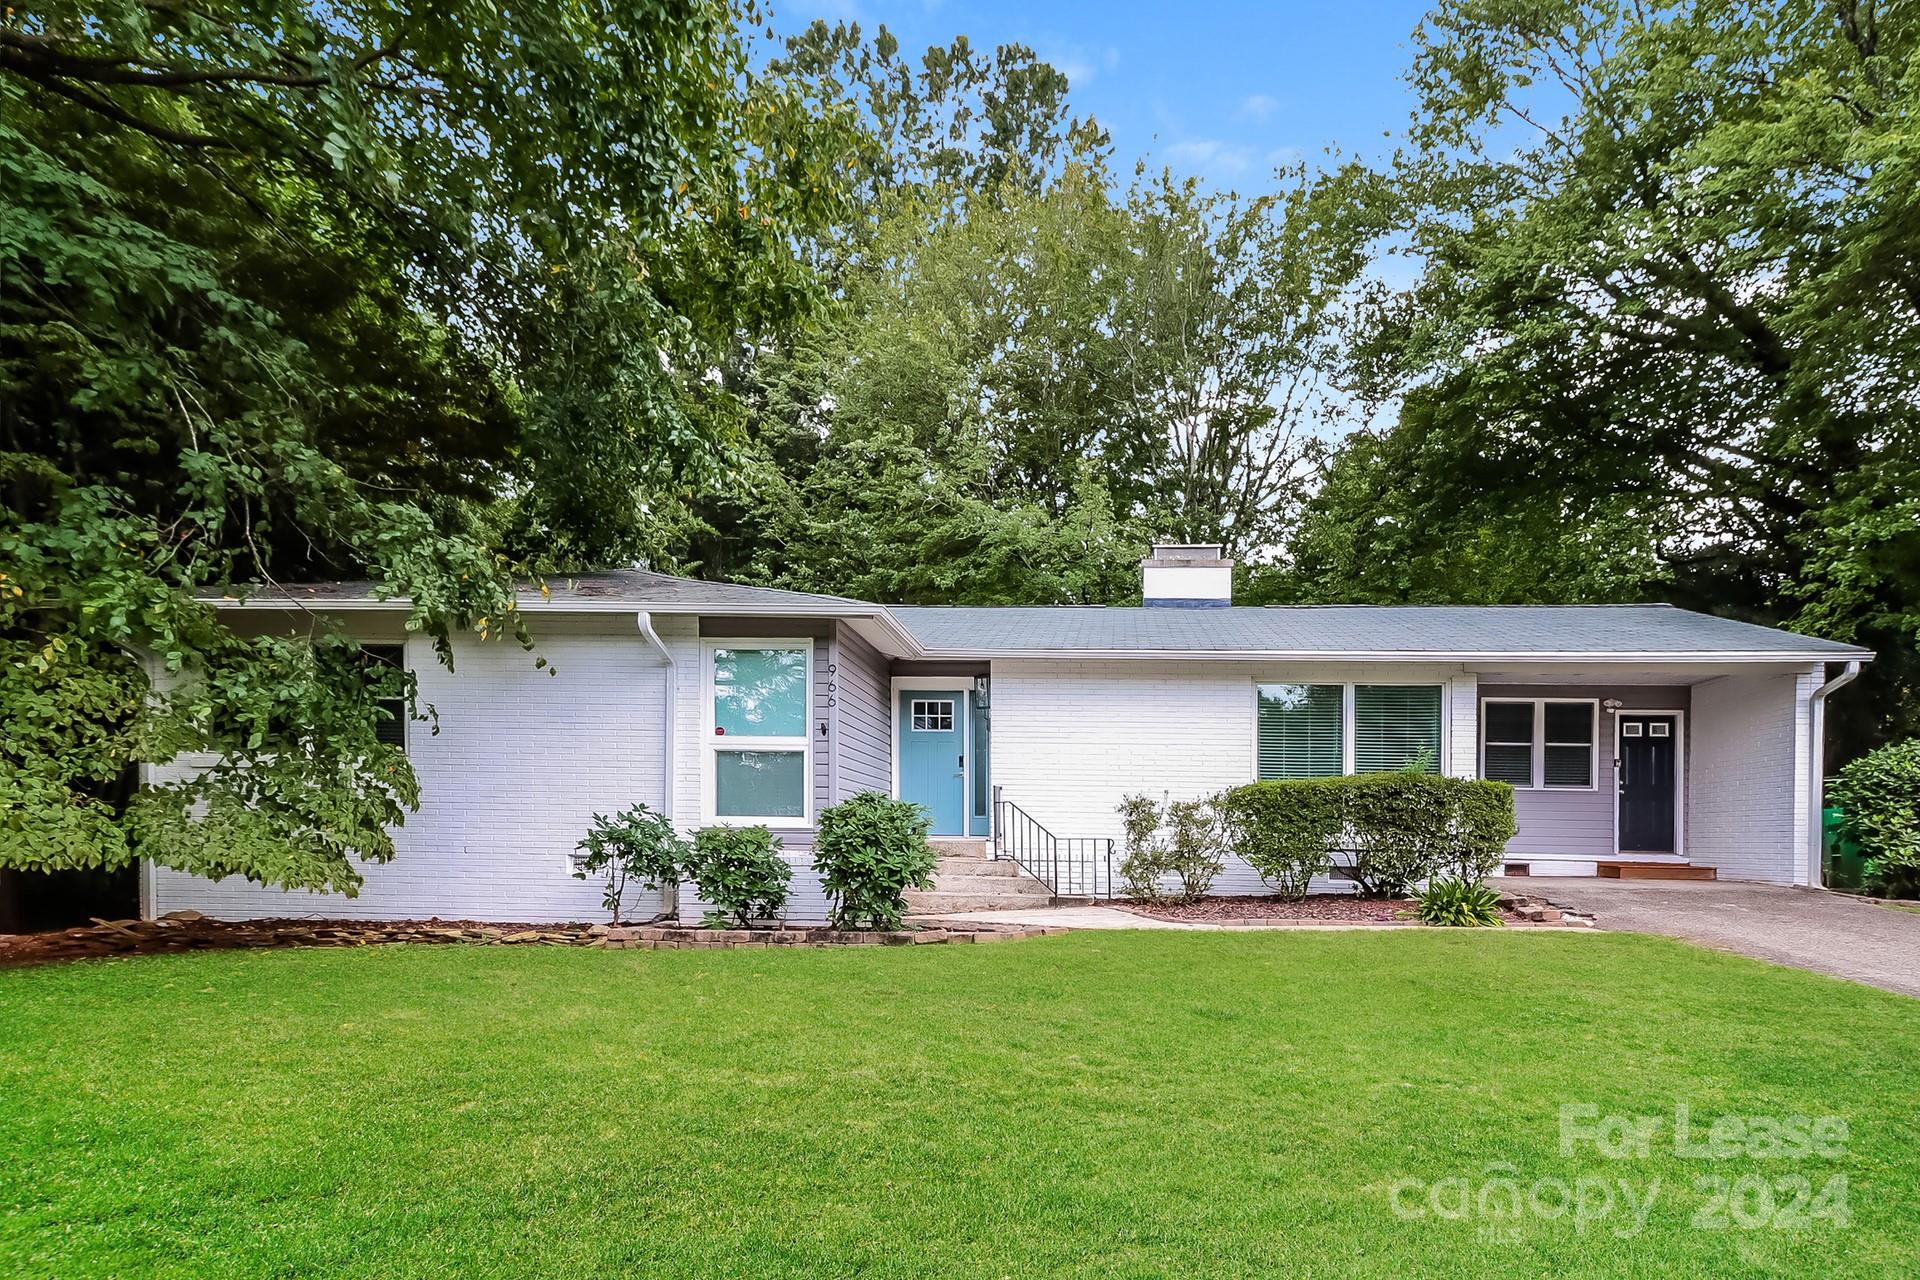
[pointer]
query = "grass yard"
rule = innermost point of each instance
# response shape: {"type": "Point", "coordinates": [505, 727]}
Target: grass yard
{"type": "Point", "coordinates": [1122, 1104]}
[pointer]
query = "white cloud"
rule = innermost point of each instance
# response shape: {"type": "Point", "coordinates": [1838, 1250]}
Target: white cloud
{"type": "Point", "coordinates": [1258, 106]}
{"type": "Point", "coordinates": [1211, 156]}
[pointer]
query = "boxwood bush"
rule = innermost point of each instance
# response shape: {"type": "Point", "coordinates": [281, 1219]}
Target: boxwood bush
{"type": "Point", "coordinates": [870, 851]}
{"type": "Point", "coordinates": [1397, 829]}
{"type": "Point", "coordinates": [740, 873]}
{"type": "Point", "coordinates": [1879, 800]}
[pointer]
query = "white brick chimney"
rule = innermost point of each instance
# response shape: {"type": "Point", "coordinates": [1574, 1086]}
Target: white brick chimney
{"type": "Point", "coordinates": [1182, 575]}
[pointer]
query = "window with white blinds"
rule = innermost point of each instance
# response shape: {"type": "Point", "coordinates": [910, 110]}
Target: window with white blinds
{"type": "Point", "coordinates": [1324, 730]}
{"type": "Point", "coordinates": [1396, 727]}
{"type": "Point", "coordinates": [1302, 730]}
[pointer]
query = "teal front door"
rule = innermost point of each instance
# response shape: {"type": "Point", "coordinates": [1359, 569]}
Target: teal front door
{"type": "Point", "coordinates": [933, 755]}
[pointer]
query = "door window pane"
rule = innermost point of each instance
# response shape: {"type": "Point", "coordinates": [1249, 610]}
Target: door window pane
{"type": "Point", "coordinates": [760, 693]}
{"type": "Point", "coordinates": [1396, 727]}
{"type": "Point", "coordinates": [759, 784]}
{"type": "Point", "coordinates": [933, 715]}
{"type": "Point", "coordinates": [1300, 731]}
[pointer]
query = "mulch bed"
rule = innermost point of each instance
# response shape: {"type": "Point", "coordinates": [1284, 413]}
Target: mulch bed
{"type": "Point", "coordinates": [1325, 908]}
{"type": "Point", "coordinates": [1333, 908]}
{"type": "Point", "coordinates": [189, 931]}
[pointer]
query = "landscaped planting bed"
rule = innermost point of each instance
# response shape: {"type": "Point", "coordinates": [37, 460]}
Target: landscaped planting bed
{"type": "Point", "coordinates": [1333, 908]}
{"type": "Point", "coordinates": [190, 931]}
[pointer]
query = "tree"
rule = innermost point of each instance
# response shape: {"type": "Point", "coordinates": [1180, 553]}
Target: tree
{"type": "Point", "coordinates": [270, 274]}
{"type": "Point", "coordinates": [1669, 278]}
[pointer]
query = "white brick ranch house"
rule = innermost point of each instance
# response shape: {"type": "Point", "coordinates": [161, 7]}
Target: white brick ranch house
{"type": "Point", "coordinates": [1636, 736]}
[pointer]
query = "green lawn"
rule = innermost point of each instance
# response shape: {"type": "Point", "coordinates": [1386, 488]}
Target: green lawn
{"type": "Point", "coordinates": [1133, 1104]}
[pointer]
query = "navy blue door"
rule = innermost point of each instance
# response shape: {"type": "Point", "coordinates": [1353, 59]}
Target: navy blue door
{"type": "Point", "coordinates": [933, 765]}
{"type": "Point", "coordinates": [1649, 784]}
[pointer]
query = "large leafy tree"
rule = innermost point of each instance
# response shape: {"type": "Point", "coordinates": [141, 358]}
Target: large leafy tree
{"type": "Point", "coordinates": [282, 289]}
{"type": "Point", "coordinates": [1669, 291]}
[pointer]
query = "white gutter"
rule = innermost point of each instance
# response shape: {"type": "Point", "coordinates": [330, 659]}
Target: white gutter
{"type": "Point", "coordinates": [671, 685]}
{"type": "Point", "coordinates": [1693, 657]}
{"type": "Point", "coordinates": [1817, 718]}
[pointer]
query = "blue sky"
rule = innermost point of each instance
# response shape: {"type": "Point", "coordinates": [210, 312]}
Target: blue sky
{"type": "Point", "coordinates": [1222, 90]}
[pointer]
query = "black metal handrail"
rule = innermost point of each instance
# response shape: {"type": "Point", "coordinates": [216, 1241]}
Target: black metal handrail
{"type": "Point", "coordinates": [1070, 866]}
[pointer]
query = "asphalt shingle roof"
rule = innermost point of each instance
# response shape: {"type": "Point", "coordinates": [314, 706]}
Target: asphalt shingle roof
{"type": "Point", "coordinates": [1337, 630]}
{"type": "Point", "coordinates": [1333, 631]}
{"type": "Point", "coordinates": [638, 587]}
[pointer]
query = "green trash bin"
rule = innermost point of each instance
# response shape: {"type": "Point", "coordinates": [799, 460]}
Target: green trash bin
{"type": "Point", "coordinates": [1845, 866]}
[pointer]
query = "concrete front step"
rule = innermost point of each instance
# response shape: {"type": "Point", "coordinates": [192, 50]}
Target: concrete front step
{"type": "Point", "coordinates": [975, 867]}
{"type": "Point", "coordinates": [959, 846]}
{"type": "Point", "coordinates": [938, 902]}
{"type": "Point", "coordinates": [999, 886]}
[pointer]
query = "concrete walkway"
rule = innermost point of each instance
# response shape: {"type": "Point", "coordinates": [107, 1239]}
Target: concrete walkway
{"type": "Point", "coordinates": [1805, 928]}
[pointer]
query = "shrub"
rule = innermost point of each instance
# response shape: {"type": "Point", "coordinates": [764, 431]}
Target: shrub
{"type": "Point", "coordinates": [1191, 850]}
{"type": "Point", "coordinates": [1286, 831]}
{"type": "Point", "coordinates": [1459, 903]}
{"type": "Point", "coordinates": [869, 852]}
{"type": "Point", "coordinates": [1141, 859]}
{"type": "Point", "coordinates": [635, 846]}
{"type": "Point", "coordinates": [1400, 828]}
{"type": "Point", "coordinates": [740, 872]}
{"type": "Point", "coordinates": [1879, 800]}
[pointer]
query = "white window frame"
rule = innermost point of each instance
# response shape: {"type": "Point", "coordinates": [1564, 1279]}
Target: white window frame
{"type": "Point", "coordinates": [712, 743]}
{"type": "Point", "coordinates": [1347, 737]}
{"type": "Point", "coordinates": [1540, 744]}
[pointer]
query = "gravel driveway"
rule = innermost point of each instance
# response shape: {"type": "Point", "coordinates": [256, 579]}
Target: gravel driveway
{"type": "Point", "coordinates": [1808, 929]}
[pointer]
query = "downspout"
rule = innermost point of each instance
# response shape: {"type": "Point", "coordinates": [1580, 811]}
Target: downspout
{"type": "Point", "coordinates": [670, 698]}
{"type": "Point", "coordinates": [1816, 715]}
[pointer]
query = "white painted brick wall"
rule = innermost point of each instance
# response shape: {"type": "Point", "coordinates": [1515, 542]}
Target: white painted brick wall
{"type": "Point", "coordinates": [1747, 783]}
{"type": "Point", "coordinates": [1071, 739]}
{"type": "Point", "coordinates": [508, 786]}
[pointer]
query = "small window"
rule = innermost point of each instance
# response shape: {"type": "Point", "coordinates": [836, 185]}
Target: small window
{"type": "Point", "coordinates": [933, 715]}
{"type": "Point", "coordinates": [1658, 729]}
{"type": "Point", "coordinates": [1629, 730]}
{"type": "Point", "coordinates": [1568, 755]}
{"type": "Point", "coordinates": [391, 728]}
{"type": "Point", "coordinates": [1539, 742]}
{"type": "Point", "coordinates": [1509, 743]}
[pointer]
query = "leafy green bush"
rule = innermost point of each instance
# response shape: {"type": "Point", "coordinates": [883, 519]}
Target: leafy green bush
{"type": "Point", "coordinates": [1459, 903]}
{"type": "Point", "coordinates": [1286, 831]}
{"type": "Point", "coordinates": [635, 846]}
{"type": "Point", "coordinates": [1142, 860]}
{"type": "Point", "coordinates": [1192, 850]}
{"type": "Point", "coordinates": [870, 851]}
{"type": "Point", "coordinates": [1879, 800]}
{"type": "Point", "coordinates": [740, 872]}
{"type": "Point", "coordinates": [1398, 828]}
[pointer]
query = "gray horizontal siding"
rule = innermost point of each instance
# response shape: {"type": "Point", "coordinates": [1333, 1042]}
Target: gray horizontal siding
{"type": "Point", "coordinates": [1579, 824]}
{"type": "Point", "coordinates": [863, 723]}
